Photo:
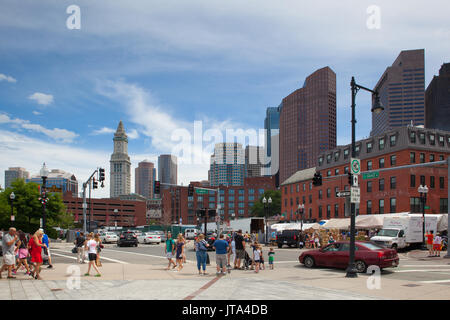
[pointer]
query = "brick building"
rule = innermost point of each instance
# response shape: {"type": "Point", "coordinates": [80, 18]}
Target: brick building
{"type": "Point", "coordinates": [235, 201]}
{"type": "Point", "coordinates": [392, 191]}
{"type": "Point", "coordinates": [129, 213]}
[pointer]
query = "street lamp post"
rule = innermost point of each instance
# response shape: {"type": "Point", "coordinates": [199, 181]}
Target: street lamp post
{"type": "Point", "coordinates": [266, 203]}
{"type": "Point", "coordinates": [12, 196]}
{"type": "Point", "coordinates": [423, 190]}
{"type": "Point", "coordinates": [44, 175]}
{"type": "Point", "coordinates": [301, 208]}
{"type": "Point", "coordinates": [115, 218]}
{"type": "Point", "coordinates": [376, 108]}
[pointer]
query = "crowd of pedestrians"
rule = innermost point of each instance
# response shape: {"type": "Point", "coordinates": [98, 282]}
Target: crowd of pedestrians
{"type": "Point", "coordinates": [89, 248]}
{"type": "Point", "coordinates": [434, 244]}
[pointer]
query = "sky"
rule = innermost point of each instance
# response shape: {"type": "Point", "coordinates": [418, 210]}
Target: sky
{"type": "Point", "coordinates": [165, 67]}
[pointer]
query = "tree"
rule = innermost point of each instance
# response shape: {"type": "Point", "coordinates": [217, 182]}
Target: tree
{"type": "Point", "coordinates": [273, 209]}
{"type": "Point", "coordinates": [28, 208]}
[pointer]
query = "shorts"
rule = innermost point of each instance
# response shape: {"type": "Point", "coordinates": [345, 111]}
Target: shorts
{"type": "Point", "coordinates": [23, 253]}
{"type": "Point", "coordinates": [429, 246]}
{"type": "Point", "coordinates": [257, 261]}
{"type": "Point", "coordinates": [240, 253]}
{"type": "Point", "coordinates": [221, 260]}
{"type": "Point", "coordinates": [9, 259]}
{"type": "Point", "coordinates": [92, 256]}
{"type": "Point", "coordinates": [270, 261]}
{"type": "Point", "coordinates": [437, 247]}
{"type": "Point", "coordinates": [169, 255]}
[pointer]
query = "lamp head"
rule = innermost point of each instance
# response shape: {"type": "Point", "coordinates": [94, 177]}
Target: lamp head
{"type": "Point", "coordinates": [377, 106]}
{"type": "Point", "coordinates": [264, 200]}
{"type": "Point", "coordinates": [44, 171]}
{"type": "Point", "coordinates": [12, 196]}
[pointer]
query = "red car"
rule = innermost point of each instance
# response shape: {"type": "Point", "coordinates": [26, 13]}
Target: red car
{"type": "Point", "coordinates": [336, 255]}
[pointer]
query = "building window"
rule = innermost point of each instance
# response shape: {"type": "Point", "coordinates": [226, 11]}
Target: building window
{"type": "Point", "coordinates": [297, 201]}
{"type": "Point", "coordinates": [422, 157]}
{"type": "Point", "coordinates": [441, 183]}
{"type": "Point", "coordinates": [412, 181]}
{"type": "Point", "coordinates": [443, 205]}
{"type": "Point", "coordinates": [432, 182]}
{"type": "Point", "coordinates": [393, 160]}
{"type": "Point", "coordinates": [357, 149]}
{"type": "Point", "coordinates": [310, 186]}
{"type": "Point", "coordinates": [328, 211]}
{"type": "Point", "coordinates": [381, 202]}
{"type": "Point", "coordinates": [328, 193]}
{"type": "Point", "coordinates": [441, 157]}
{"type": "Point", "coordinates": [431, 157]}
{"type": "Point", "coordinates": [369, 165]}
{"type": "Point", "coordinates": [414, 204]}
{"type": "Point", "coordinates": [304, 187]}
{"type": "Point", "coordinates": [369, 186]}
{"type": "Point", "coordinates": [329, 173]}
{"type": "Point", "coordinates": [292, 202]}
{"type": "Point", "coordinates": [441, 141]}
{"type": "Point", "coordinates": [292, 188]}
{"type": "Point", "coordinates": [381, 184]}
{"type": "Point", "coordinates": [310, 198]}
{"type": "Point", "coordinates": [393, 183]}
{"type": "Point", "coordinates": [336, 190]}
{"type": "Point", "coordinates": [346, 152]}
{"type": "Point", "coordinates": [303, 200]}
{"type": "Point", "coordinates": [336, 156]}
{"type": "Point", "coordinates": [369, 207]}
{"type": "Point", "coordinates": [320, 194]}
{"type": "Point", "coordinates": [381, 144]}
{"type": "Point", "coordinates": [310, 213]}
{"type": "Point", "coordinates": [345, 170]}
{"type": "Point", "coordinates": [422, 138]}
{"type": "Point", "coordinates": [336, 172]}
{"type": "Point", "coordinates": [432, 139]}
{"type": "Point", "coordinates": [422, 180]}
{"type": "Point", "coordinates": [297, 188]}
{"type": "Point", "coordinates": [412, 137]}
{"type": "Point", "coordinates": [393, 140]}
{"type": "Point", "coordinates": [381, 163]}
{"type": "Point", "coordinates": [320, 211]}
{"type": "Point", "coordinates": [320, 161]}
{"type": "Point", "coordinates": [328, 158]}
{"type": "Point", "coordinates": [412, 157]}
{"type": "Point", "coordinates": [393, 205]}
{"type": "Point", "coordinates": [336, 210]}
{"type": "Point", "coordinates": [369, 147]}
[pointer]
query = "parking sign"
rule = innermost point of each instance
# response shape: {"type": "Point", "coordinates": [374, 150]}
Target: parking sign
{"type": "Point", "coordinates": [355, 165]}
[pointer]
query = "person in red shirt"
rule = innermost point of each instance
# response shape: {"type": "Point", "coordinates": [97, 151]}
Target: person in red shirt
{"type": "Point", "coordinates": [429, 236]}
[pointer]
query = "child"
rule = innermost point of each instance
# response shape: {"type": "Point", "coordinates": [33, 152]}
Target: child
{"type": "Point", "coordinates": [437, 245]}
{"type": "Point", "coordinates": [257, 257]}
{"type": "Point", "coordinates": [271, 256]}
{"type": "Point", "coordinates": [261, 260]}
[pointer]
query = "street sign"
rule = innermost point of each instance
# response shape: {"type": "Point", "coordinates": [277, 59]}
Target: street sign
{"type": "Point", "coordinates": [342, 194]}
{"type": "Point", "coordinates": [371, 175]}
{"type": "Point", "coordinates": [355, 180]}
{"type": "Point", "coordinates": [355, 165]}
{"type": "Point", "coordinates": [13, 218]}
{"type": "Point", "coordinates": [354, 195]}
{"type": "Point", "coordinates": [427, 207]}
{"type": "Point", "coordinates": [201, 191]}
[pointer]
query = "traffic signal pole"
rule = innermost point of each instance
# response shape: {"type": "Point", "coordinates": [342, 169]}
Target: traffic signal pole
{"type": "Point", "coordinates": [85, 184]}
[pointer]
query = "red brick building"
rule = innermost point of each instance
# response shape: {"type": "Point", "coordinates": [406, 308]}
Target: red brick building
{"type": "Point", "coordinates": [235, 201]}
{"type": "Point", "coordinates": [393, 191]}
{"type": "Point", "coordinates": [129, 213]}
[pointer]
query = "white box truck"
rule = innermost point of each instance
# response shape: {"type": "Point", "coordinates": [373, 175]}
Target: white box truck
{"type": "Point", "coordinates": [402, 231]}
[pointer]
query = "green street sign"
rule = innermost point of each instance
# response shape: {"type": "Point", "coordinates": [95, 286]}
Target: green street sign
{"type": "Point", "coordinates": [201, 191]}
{"type": "Point", "coordinates": [371, 175]}
{"type": "Point", "coordinates": [427, 207]}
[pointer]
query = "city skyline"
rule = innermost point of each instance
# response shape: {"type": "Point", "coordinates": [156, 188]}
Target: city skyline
{"type": "Point", "coordinates": [61, 103]}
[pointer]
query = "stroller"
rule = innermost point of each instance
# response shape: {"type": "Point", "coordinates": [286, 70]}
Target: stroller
{"type": "Point", "coordinates": [247, 261]}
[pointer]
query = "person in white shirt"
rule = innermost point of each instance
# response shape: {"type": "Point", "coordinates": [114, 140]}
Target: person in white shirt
{"type": "Point", "coordinates": [437, 245]}
{"type": "Point", "coordinates": [257, 257]}
{"type": "Point", "coordinates": [91, 247]}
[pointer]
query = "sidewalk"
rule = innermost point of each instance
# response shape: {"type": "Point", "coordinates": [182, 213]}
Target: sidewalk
{"type": "Point", "coordinates": [132, 281]}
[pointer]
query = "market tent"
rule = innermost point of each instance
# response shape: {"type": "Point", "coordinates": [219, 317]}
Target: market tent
{"type": "Point", "coordinates": [341, 224]}
{"type": "Point", "coordinates": [369, 221]}
{"type": "Point", "coordinates": [443, 223]}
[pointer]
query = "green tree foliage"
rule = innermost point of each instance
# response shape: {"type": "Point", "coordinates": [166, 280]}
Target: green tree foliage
{"type": "Point", "coordinates": [28, 209]}
{"type": "Point", "coordinates": [274, 208]}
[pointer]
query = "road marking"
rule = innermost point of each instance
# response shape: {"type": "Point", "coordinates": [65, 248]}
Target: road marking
{"type": "Point", "coordinates": [296, 261]}
{"type": "Point", "coordinates": [143, 254]}
{"type": "Point", "coordinates": [101, 258]}
{"type": "Point", "coordinates": [421, 270]}
{"type": "Point", "coordinates": [425, 265]}
{"type": "Point", "coordinates": [202, 289]}
{"type": "Point", "coordinates": [435, 281]}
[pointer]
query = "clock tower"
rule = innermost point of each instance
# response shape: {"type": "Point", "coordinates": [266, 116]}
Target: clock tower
{"type": "Point", "coordinates": [120, 170]}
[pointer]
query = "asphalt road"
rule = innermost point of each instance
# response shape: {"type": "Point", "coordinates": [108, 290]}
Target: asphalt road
{"type": "Point", "coordinates": [418, 270]}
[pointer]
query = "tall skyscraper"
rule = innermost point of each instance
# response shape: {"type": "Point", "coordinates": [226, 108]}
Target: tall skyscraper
{"type": "Point", "coordinates": [144, 179]}
{"type": "Point", "coordinates": [13, 174]}
{"type": "Point", "coordinates": [227, 166]}
{"type": "Point", "coordinates": [254, 157]}
{"type": "Point", "coordinates": [272, 131]}
{"type": "Point", "coordinates": [58, 181]}
{"type": "Point", "coordinates": [167, 169]}
{"type": "Point", "coordinates": [437, 100]}
{"type": "Point", "coordinates": [402, 93]}
{"type": "Point", "coordinates": [308, 123]}
{"type": "Point", "coordinates": [120, 170]}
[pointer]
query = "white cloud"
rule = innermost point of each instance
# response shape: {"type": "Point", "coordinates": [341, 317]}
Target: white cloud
{"type": "Point", "coordinates": [133, 134]}
{"type": "Point", "coordinates": [103, 130]}
{"type": "Point", "coordinates": [7, 78]}
{"type": "Point", "coordinates": [57, 134]}
{"type": "Point", "coordinates": [37, 113]}
{"type": "Point", "coordinates": [41, 98]}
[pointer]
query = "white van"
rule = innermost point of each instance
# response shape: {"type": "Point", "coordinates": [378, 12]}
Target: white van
{"type": "Point", "coordinates": [190, 234]}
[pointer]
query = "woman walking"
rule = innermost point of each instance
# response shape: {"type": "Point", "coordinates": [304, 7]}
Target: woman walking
{"type": "Point", "coordinates": [36, 253]}
{"type": "Point", "coordinates": [180, 252]}
{"type": "Point", "coordinates": [23, 252]}
{"type": "Point", "coordinates": [91, 246]}
{"type": "Point", "coordinates": [201, 246]}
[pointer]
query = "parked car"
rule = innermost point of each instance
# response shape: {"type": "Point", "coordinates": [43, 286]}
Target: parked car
{"type": "Point", "coordinates": [290, 238]}
{"type": "Point", "coordinates": [149, 237]}
{"type": "Point", "coordinates": [336, 255]}
{"type": "Point", "coordinates": [162, 234]}
{"type": "Point", "coordinates": [190, 234]}
{"type": "Point", "coordinates": [127, 238]}
{"type": "Point", "coordinates": [109, 237]}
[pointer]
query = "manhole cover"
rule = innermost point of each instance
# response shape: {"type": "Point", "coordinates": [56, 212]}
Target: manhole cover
{"type": "Point", "coordinates": [411, 285]}
{"type": "Point", "coordinates": [56, 289]}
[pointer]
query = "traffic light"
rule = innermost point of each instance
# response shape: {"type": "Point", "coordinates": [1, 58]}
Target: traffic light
{"type": "Point", "coordinates": [201, 213]}
{"type": "Point", "coordinates": [211, 212]}
{"type": "Point", "coordinates": [101, 174]}
{"type": "Point", "coordinates": [157, 187]}
{"type": "Point", "coordinates": [317, 180]}
{"type": "Point", "coordinates": [350, 179]}
{"type": "Point", "coordinates": [190, 190]}
{"type": "Point", "coordinates": [94, 184]}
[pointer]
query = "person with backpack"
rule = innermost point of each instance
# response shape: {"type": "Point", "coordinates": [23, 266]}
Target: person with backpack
{"type": "Point", "coordinates": [79, 244]}
{"type": "Point", "coordinates": [201, 247]}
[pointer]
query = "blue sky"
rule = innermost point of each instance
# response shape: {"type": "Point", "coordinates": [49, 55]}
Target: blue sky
{"type": "Point", "coordinates": [161, 65]}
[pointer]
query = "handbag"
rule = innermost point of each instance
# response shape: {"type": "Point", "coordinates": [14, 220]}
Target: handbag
{"type": "Point", "coordinates": [74, 250]}
{"type": "Point", "coordinates": [207, 259]}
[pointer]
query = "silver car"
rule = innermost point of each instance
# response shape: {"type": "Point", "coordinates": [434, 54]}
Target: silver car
{"type": "Point", "coordinates": [162, 234]}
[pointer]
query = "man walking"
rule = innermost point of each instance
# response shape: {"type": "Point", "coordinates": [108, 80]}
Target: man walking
{"type": "Point", "coordinates": [169, 249]}
{"type": "Point", "coordinates": [9, 259]}
{"type": "Point", "coordinates": [46, 241]}
{"type": "Point", "coordinates": [79, 243]}
{"type": "Point", "coordinates": [221, 247]}
{"type": "Point", "coordinates": [240, 249]}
